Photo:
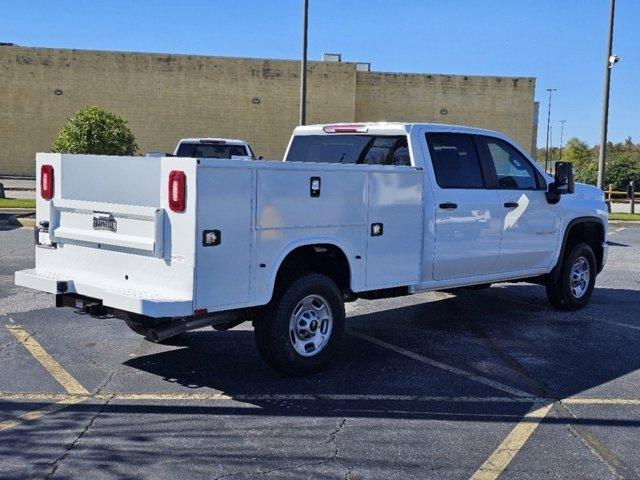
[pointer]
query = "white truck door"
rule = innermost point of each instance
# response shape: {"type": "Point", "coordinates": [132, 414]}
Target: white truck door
{"type": "Point", "coordinates": [394, 236]}
{"type": "Point", "coordinates": [530, 225]}
{"type": "Point", "coordinates": [467, 215]}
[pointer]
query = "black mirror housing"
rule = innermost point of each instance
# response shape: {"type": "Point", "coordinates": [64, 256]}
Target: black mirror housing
{"type": "Point", "coordinates": [563, 178]}
{"type": "Point", "coordinates": [562, 183]}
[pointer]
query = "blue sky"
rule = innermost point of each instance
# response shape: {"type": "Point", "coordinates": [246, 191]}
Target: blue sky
{"type": "Point", "coordinates": [561, 43]}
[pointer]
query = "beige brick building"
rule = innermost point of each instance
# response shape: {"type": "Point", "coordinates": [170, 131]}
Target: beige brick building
{"type": "Point", "coordinates": [166, 97]}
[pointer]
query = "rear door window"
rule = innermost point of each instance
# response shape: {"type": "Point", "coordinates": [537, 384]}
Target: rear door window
{"type": "Point", "coordinates": [360, 149]}
{"type": "Point", "coordinates": [456, 163]}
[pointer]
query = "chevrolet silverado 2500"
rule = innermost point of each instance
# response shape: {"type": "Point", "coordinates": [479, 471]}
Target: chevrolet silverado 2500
{"type": "Point", "coordinates": [354, 211]}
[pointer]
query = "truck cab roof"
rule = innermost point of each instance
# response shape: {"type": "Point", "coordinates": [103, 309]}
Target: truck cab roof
{"type": "Point", "coordinates": [387, 128]}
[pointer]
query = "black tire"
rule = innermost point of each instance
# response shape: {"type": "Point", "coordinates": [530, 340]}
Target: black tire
{"type": "Point", "coordinates": [274, 337]}
{"type": "Point", "coordinates": [138, 327]}
{"type": "Point", "coordinates": [560, 293]}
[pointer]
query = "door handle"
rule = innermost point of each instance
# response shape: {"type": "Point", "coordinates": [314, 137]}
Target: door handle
{"type": "Point", "coordinates": [511, 204]}
{"type": "Point", "coordinates": [448, 206]}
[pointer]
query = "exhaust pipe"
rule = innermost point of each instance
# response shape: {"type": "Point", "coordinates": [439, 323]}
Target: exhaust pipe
{"type": "Point", "coordinates": [176, 327]}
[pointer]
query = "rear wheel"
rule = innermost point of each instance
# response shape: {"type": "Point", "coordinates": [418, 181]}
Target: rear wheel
{"type": "Point", "coordinates": [573, 288]}
{"type": "Point", "coordinates": [302, 327]}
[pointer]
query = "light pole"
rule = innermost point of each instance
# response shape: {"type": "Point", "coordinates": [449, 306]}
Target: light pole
{"type": "Point", "coordinates": [546, 153]}
{"type": "Point", "coordinates": [562, 122]}
{"type": "Point", "coordinates": [610, 61]}
{"type": "Point", "coordinates": [303, 65]}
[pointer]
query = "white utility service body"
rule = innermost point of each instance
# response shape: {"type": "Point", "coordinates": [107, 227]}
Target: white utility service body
{"type": "Point", "coordinates": [108, 233]}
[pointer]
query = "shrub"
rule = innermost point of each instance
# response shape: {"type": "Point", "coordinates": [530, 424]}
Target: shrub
{"type": "Point", "coordinates": [94, 130]}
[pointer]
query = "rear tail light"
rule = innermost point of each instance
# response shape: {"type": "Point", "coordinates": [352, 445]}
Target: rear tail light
{"type": "Point", "coordinates": [177, 187]}
{"type": "Point", "coordinates": [46, 182]}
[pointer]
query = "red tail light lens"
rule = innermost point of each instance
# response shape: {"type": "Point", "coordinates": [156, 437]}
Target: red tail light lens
{"type": "Point", "coordinates": [177, 187]}
{"type": "Point", "coordinates": [46, 182]}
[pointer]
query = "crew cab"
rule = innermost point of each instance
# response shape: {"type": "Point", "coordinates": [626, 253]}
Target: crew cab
{"type": "Point", "coordinates": [367, 211]}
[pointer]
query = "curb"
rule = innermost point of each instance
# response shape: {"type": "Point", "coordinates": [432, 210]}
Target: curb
{"type": "Point", "coordinates": [22, 221]}
{"type": "Point", "coordinates": [624, 223]}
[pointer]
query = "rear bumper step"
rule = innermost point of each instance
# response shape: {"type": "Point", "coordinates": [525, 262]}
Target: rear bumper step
{"type": "Point", "coordinates": [134, 301]}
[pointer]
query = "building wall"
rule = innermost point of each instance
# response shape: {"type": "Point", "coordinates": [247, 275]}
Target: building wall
{"type": "Point", "coordinates": [497, 103]}
{"type": "Point", "coordinates": [167, 97]}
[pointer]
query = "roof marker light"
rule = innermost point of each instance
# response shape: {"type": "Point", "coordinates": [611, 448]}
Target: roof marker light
{"type": "Point", "coordinates": [343, 128]}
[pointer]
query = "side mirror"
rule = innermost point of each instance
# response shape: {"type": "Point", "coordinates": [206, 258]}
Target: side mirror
{"type": "Point", "coordinates": [562, 182]}
{"type": "Point", "coordinates": [563, 178]}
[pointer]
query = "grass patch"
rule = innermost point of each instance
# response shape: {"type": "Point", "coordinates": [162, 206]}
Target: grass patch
{"type": "Point", "coordinates": [624, 216]}
{"type": "Point", "coordinates": [17, 203]}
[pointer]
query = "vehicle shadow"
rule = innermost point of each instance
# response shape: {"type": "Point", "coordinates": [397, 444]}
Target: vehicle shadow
{"type": "Point", "coordinates": [506, 333]}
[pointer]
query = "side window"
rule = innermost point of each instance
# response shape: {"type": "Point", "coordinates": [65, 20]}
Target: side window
{"type": "Point", "coordinates": [455, 161]}
{"type": "Point", "coordinates": [513, 170]}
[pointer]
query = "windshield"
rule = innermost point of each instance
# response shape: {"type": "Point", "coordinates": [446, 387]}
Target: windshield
{"type": "Point", "coordinates": [210, 150]}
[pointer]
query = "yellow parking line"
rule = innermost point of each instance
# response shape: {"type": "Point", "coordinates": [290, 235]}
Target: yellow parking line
{"type": "Point", "coordinates": [40, 412]}
{"type": "Point", "coordinates": [64, 378]}
{"type": "Point", "coordinates": [171, 396]}
{"type": "Point", "coordinates": [601, 401]}
{"type": "Point", "coordinates": [443, 366]}
{"type": "Point", "coordinates": [510, 446]}
{"type": "Point", "coordinates": [201, 396]}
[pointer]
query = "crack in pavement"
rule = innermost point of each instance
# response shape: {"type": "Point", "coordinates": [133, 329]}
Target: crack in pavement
{"type": "Point", "coordinates": [596, 447]}
{"type": "Point", "coordinates": [332, 438]}
{"type": "Point", "coordinates": [56, 463]}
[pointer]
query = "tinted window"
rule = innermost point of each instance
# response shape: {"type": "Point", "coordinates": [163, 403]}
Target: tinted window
{"type": "Point", "coordinates": [211, 150]}
{"type": "Point", "coordinates": [363, 149]}
{"type": "Point", "coordinates": [455, 161]}
{"type": "Point", "coordinates": [512, 168]}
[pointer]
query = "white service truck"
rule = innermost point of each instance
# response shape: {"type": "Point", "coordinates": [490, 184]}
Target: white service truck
{"type": "Point", "coordinates": [354, 211]}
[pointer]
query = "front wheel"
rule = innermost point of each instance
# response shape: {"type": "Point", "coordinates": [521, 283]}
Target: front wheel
{"type": "Point", "coordinates": [302, 327]}
{"type": "Point", "coordinates": [573, 288]}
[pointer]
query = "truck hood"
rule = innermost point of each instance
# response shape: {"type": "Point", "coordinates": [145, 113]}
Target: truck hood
{"type": "Point", "coordinates": [582, 190]}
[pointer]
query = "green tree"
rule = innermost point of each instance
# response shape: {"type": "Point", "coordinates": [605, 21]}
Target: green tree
{"type": "Point", "coordinates": [577, 151]}
{"type": "Point", "coordinates": [94, 130]}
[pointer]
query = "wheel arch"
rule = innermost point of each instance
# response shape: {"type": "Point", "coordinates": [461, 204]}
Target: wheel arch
{"type": "Point", "coordinates": [592, 230]}
{"type": "Point", "coordinates": [306, 255]}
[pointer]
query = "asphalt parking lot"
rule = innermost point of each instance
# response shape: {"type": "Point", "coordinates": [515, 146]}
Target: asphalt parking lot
{"type": "Point", "coordinates": [480, 384]}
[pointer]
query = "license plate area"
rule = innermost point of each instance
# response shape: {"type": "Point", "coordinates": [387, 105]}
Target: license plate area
{"type": "Point", "coordinates": [105, 223]}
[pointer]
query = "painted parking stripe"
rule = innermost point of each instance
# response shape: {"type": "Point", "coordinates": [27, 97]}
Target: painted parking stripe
{"type": "Point", "coordinates": [443, 366]}
{"type": "Point", "coordinates": [64, 378]}
{"type": "Point", "coordinates": [511, 445]}
{"type": "Point", "coordinates": [601, 401]}
{"type": "Point", "coordinates": [179, 396]}
{"type": "Point", "coordinates": [41, 412]}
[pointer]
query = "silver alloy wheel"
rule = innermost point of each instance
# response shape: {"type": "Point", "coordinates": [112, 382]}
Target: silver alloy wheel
{"type": "Point", "coordinates": [310, 325]}
{"type": "Point", "coordinates": [580, 277]}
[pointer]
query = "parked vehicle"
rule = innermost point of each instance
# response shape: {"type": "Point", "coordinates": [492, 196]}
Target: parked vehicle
{"type": "Point", "coordinates": [213, 148]}
{"type": "Point", "coordinates": [355, 211]}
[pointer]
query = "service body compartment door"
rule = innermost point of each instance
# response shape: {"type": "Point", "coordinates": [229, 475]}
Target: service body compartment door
{"type": "Point", "coordinates": [394, 230]}
{"type": "Point", "coordinates": [224, 211]}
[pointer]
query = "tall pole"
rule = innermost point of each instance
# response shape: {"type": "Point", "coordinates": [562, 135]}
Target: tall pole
{"type": "Point", "coordinates": [303, 65]}
{"type": "Point", "coordinates": [562, 122]}
{"type": "Point", "coordinates": [610, 60]}
{"type": "Point", "coordinates": [546, 153]}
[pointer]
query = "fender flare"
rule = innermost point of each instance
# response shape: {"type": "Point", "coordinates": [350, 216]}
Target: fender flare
{"type": "Point", "coordinates": [572, 223]}
{"type": "Point", "coordinates": [308, 242]}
